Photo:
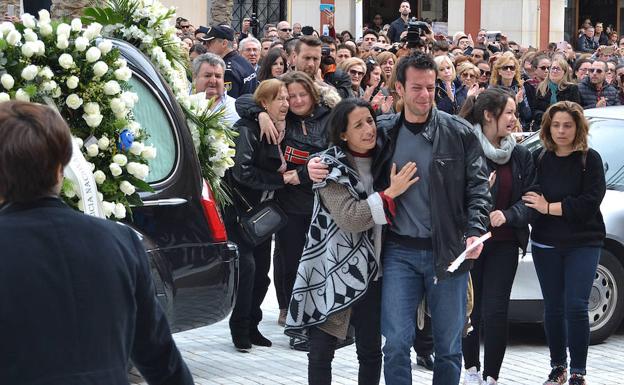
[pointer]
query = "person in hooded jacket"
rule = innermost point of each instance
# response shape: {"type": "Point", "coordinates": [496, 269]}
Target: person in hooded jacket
{"type": "Point", "coordinates": [492, 114]}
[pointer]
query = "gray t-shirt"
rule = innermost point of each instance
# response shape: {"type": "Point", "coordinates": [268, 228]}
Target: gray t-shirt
{"type": "Point", "coordinates": [413, 207]}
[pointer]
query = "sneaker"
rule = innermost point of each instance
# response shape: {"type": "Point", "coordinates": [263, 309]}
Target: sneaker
{"type": "Point", "coordinates": [491, 381]}
{"type": "Point", "coordinates": [473, 377]}
{"type": "Point", "coordinates": [558, 376]}
{"type": "Point", "coordinates": [577, 379]}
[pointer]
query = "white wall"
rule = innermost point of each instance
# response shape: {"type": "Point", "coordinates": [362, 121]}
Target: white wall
{"type": "Point", "coordinates": [557, 20]}
{"type": "Point", "coordinates": [516, 18]}
{"type": "Point", "coordinates": [196, 11]}
{"type": "Point", "coordinates": [456, 11]}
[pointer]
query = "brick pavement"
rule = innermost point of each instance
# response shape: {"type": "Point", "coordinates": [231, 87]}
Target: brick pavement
{"type": "Point", "coordinates": [213, 359]}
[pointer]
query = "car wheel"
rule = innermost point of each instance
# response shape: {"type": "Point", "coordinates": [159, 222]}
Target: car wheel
{"type": "Point", "coordinates": [606, 301]}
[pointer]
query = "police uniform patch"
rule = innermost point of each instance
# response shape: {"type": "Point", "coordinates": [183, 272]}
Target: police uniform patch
{"type": "Point", "coordinates": [228, 86]}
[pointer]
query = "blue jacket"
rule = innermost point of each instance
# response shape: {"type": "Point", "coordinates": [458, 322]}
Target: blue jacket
{"type": "Point", "coordinates": [590, 95]}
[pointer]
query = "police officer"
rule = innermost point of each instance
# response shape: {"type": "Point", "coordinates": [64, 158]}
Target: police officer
{"type": "Point", "coordinates": [240, 77]}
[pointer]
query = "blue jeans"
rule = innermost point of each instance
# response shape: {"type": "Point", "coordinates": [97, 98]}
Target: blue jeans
{"type": "Point", "coordinates": [566, 276]}
{"type": "Point", "coordinates": [408, 275]}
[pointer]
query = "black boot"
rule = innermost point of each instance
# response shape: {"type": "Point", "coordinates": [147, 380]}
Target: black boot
{"type": "Point", "coordinates": [241, 341]}
{"type": "Point", "coordinates": [426, 361]}
{"type": "Point", "coordinates": [257, 338]}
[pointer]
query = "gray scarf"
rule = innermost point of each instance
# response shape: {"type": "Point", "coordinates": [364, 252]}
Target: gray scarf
{"type": "Point", "coordinates": [497, 155]}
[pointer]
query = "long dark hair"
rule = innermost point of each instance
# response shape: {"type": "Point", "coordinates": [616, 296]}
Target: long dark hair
{"type": "Point", "coordinates": [267, 63]}
{"type": "Point", "coordinates": [493, 100]}
{"type": "Point", "coordinates": [338, 120]}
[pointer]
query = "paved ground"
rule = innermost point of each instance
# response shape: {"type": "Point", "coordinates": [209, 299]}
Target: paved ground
{"type": "Point", "coordinates": [213, 359]}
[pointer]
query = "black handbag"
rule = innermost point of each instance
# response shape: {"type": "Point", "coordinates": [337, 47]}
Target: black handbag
{"type": "Point", "coordinates": [259, 223]}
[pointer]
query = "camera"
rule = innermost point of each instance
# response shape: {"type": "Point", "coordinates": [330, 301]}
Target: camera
{"type": "Point", "coordinates": [416, 29]}
{"type": "Point", "coordinates": [254, 20]}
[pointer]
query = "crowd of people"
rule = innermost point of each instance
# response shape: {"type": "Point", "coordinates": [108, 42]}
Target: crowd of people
{"type": "Point", "coordinates": [355, 140]}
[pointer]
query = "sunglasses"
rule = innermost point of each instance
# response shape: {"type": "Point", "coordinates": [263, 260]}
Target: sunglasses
{"type": "Point", "coordinates": [356, 73]}
{"type": "Point", "coordinates": [508, 68]}
{"type": "Point", "coordinates": [485, 73]}
{"type": "Point", "coordinates": [555, 69]}
{"type": "Point", "coordinates": [596, 70]}
{"type": "Point", "coordinates": [286, 29]}
{"type": "Point", "coordinates": [544, 68]}
{"type": "Point", "coordinates": [467, 75]}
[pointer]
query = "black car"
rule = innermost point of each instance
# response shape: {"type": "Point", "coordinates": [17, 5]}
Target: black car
{"type": "Point", "coordinates": [195, 268]}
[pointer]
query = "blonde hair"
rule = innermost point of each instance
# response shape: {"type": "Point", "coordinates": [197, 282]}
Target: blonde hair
{"type": "Point", "coordinates": [351, 62]}
{"type": "Point", "coordinates": [267, 91]}
{"type": "Point", "coordinates": [439, 60]}
{"type": "Point", "coordinates": [565, 82]}
{"type": "Point", "coordinates": [506, 58]}
{"type": "Point", "coordinates": [467, 66]}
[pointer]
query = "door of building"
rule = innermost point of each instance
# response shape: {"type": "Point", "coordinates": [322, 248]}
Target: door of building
{"type": "Point", "coordinates": [608, 12]}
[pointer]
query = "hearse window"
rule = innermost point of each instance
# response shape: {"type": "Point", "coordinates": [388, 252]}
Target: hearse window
{"type": "Point", "coordinates": [150, 113]}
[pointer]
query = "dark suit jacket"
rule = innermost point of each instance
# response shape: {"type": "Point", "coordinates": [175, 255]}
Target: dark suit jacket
{"type": "Point", "coordinates": [77, 301]}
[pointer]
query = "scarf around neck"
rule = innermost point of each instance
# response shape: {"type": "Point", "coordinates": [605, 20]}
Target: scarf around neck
{"type": "Point", "coordinates": [497, 155]}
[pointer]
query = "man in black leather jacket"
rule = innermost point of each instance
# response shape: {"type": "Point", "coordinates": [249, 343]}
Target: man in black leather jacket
{"type": "Point", "coordinates": [435, 221]}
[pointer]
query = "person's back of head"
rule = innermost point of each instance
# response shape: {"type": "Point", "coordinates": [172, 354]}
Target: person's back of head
{"type": "Point", "coordinates": [35, 147]}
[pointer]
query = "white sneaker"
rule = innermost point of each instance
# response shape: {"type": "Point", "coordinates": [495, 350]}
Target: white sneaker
{"type": "Point", "coordinates": [491, 381]}
{"type": "Point", "coordinates": [473, 377]}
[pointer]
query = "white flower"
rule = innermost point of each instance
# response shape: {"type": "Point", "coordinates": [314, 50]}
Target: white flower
{"type": "Point", "coordinates": [108, 208]}
{"type": "Point", "coordinates": [46, 29]}
{"type": "Point", "coordinates": [29, 35]}
{"type": "Point", "coordinates": [72, 82]}
{"type": "Point", "coordinates": [40, 47]}
{"type": "Point", "coordinates": [76, 25]}
{"type": "Point", "coordinates": [93, 30]}
{"type": "Point", "coordinates": [57, 93]}
{"type": "Point", "coordinates": [66, 61]}
{"type": "Point", "coordinates": [49, 86]}
{"type": "Point", "coordinates": [99, 176]}
{"type": "Point", "coordinates": [73, 101]}
{"type": "Point", "coordinates": [121, 63]}
{"type": "Point", "coordinates": [68, 190]}
{"type": "Point", "coordinates": [81, 205]}
{"type": "Point", "coordinates": [100, 68]}
{"type": "Point", "coordinates": [103, 143]}
{"type": "Point", "coordinates": [93, 150]}
{"type": "Point", "coordinates": [136, 148]}
{"type": "Point", "coordinates": [138, 170]}
{"type": "Point", "coordinates": [129, 98]}
{"type": "Point", "coordinates": [91, 166]}
{"type": "Point", "coordinates": [6, 27]}
{"type": "Point", "coordinates": [120, 159]}
{"type": "Point", "coordinates": [92, 108]}
{"type": "Point", "coordinates": [28, 20]}
{"type": "Point", "coordinates": [13, 38]}
{"type": "Point", "coordinates": [30, 72]}
{"type": "Point", "coordinates": [29, 49]}
{"type": "Point", "coordinates": [44, 17]}
{"type": "Point", "coordinates": [127, 187]}
{"type": "Point", "coordinates": [120, 211]}
{"type": "Point", "coordinates": [46, 73]}
{"type": "Point", "coordinates": [81, 43]}
{"type": "Point", "coordinates": [22, 95]}
{"type": "Point", "coordinates": [63, 30]}
{"type": "Point", "coordinates": [115, 169]}
{"type": "Point", "coordinates": [123, 74]}
{"type": "Point", "coordinates": [4, 97]}
{"type": "Point", "coordinates": [93, 120]}
{"type": "Point", "coordinates": [77, 141]}
{"type": "Point", "coordinates": [149, 152]}
{"type": "Point", "coordinates": [93, 54]}
{"type": "Point", "coordinates": [7, 81]}
{"type": "Point", "coordinates": [105, 46]}
{"type": "Point", "coordinates": [118, 107]}
{"type": "Point", "coordinates": [112, 88]}
{"type": "Point", "coordinates": [62, 42]}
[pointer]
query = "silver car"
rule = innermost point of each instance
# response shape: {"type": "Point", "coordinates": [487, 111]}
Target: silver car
{"type": "Point", "coordinates": [606, 302]}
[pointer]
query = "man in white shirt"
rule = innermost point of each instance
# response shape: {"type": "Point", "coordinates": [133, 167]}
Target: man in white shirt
{"type": "Point", "coordinates": [208, 74]}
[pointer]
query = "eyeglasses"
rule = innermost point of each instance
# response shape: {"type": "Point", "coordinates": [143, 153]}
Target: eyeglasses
{"type": "Point", "coordinates": [356, 73]}
{"type": "Point", "coordinates": [508, 68]}
{"type": "Point", "coordinates": [596, 70]}
{"type": "Point", "coordinates": [485, 73]}
{"type": "Point", "coordinates": [467, 75]}
{"type": "Point", "coordinates": [544, 68]}
{"type": "Point", "coordinates": [286, 29]}
{"type": "Point", "coordinates": [555, 69]}
{"type": "Point", "coordinates": [583, 70]}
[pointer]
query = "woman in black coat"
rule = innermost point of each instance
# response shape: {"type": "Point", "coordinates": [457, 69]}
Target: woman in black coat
{"type": "Point", "coordinates": [492, 114]}
{"type": "Point", "coordinates": [259, 168]}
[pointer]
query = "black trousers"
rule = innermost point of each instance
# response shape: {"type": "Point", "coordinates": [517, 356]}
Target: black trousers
{"type": "Point", "coordinates": [366, 320]}
{"type": "Point", "coordinates": [492, 278]}
{"type": "Point", "coordinates": [290, 241]}
{"type": "Point", "coordinates": [423, 340]}
{"type": "Point", "coordinates": [253, 283]}
{"type": "Point", "coordinates": [278, 276]}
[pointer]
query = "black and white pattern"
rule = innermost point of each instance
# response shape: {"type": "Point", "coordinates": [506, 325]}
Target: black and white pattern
{"type": "Point", "coordinates": [336, 265]}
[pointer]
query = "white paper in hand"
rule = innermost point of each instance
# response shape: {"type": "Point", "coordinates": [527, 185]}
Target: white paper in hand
{"type": "Point", "coordinates": [462, 257]}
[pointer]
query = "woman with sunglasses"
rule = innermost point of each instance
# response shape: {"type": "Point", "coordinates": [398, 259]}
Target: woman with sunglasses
{"type": "Point", "coordinates": [356, 68]}
{"type": "Point", "coordinates": [558, 86]}
{"type": "Point", "coordinates": [506, 74]}
{"type": "Point", "coordinates": [486, 73]}
{"type": "Point", "coordinates": [493, 117]}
